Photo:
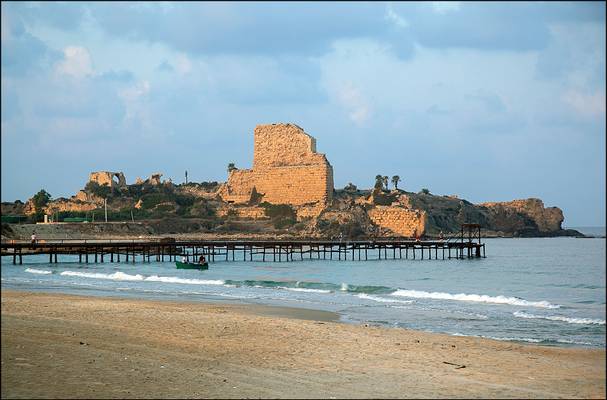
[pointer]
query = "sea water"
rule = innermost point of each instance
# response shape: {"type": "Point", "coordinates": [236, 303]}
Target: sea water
{"type": "Point", "coordinates": [548, 291]}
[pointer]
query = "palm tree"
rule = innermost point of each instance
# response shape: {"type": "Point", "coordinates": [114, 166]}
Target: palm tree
{"type": "Point", "coordinates": [385, 181]}
{"type": "Point", "coordinates": [379, 181]}
{"type": "Point", "coordinates": [395, 180]}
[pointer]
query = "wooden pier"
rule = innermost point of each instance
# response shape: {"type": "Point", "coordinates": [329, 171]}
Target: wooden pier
{"type": "Point", "coordinates": [460, 247]}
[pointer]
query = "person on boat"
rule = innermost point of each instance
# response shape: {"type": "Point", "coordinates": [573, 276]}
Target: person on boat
{"type": "Point", "coordinates": [183, 259]}
{"type": "Point", "coordinates": [201, 260]}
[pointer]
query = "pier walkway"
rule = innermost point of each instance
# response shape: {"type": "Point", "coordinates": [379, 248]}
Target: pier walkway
{"type": "Point", "coordinates": [456, 247]}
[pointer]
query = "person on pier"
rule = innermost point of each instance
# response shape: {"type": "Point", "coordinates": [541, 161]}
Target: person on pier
{"type": "Point", "coordinates": [34, 237]}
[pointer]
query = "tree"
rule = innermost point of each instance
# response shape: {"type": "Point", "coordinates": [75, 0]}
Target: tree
{"type": "Point", "coordinates": [395, 180]}
{"type": "Point", "coordinates": [231, 167]}
{"type": "Point", "coordinates": [102, 191]}
{"type": "Point", "coordinates": [425, 191]}
{"type": "Point", "coordinates": [379, 181]}
{"type": "Point", "coordinates": [385, 182]}
{"type": "Point", "coordinates": [40, 200]}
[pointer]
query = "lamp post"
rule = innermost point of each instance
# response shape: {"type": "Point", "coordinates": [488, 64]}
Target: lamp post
{"type": "Point", "coordinates": [105, 207]}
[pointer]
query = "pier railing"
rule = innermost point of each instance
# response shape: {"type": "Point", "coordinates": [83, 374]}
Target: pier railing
{"type": "Point", "coordinates": [245, 250]}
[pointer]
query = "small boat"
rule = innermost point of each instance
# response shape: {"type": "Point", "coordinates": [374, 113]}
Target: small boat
{"type": "Point", "coordinates": [187, 265]}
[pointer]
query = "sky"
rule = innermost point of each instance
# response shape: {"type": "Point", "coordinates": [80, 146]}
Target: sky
{"type": "Point", "coordinates": [490, 101]}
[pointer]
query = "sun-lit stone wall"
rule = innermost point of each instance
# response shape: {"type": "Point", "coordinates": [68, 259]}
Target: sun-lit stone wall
{"type": "Point", "coordinates": [107, 178]}
{"type": "Point", "coordinates": [286, 169]}
{"type": "Point", "coordinates": [400, 220]}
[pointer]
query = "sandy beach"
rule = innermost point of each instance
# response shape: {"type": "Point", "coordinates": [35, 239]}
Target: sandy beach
{"type": "Point", "coordinates": [63, 346]}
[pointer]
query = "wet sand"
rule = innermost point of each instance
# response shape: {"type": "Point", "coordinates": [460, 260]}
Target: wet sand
{"type": "Point", "coordinates": [61, 346]}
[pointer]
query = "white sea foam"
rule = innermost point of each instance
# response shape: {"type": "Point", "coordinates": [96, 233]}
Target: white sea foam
{"type": "Point", "coordinates": [116, 276]}
{"type": "Point", "coordinates": [383, 299]}
{"type": "Point", "coordinates": [121, 276]}
{"type": "Point", "coordinates": [38, 271]}
{"type": "Point", "coordinates": [586, 321]}
{"type": "Point", "coordinates": [344, 287]}
{"type": "Point", "coordinates": [530, 340]}
{"type": "Point", "coordinates": [481, 298]}
{"type": "Point", "coordinates": [174, 279]}
{"type": "Point", "coordinates": [306, 290]}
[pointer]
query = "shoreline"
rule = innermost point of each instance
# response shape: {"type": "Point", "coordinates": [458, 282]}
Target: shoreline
{"type": "Point", "coordinates": [279, 311]}
{"type": "Point", "coordinates": [57, 345]}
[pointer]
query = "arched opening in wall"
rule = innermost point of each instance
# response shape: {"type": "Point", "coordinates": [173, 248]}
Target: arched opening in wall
{"type": "Point", "coordinates": [115, 180]}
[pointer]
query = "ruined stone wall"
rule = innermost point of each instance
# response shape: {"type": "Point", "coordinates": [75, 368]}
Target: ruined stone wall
{"type": "Point", "coordinates": [286, 169]}
{"type": "Point", "coordinates": [106, 178]}
{"type": "Point", "coordinates": [278, 145]}
{"type": "Point", "coordinates": [295, 185]}
{"type": "Point", "coordinates": [239, 187]}
{"type": "Point", "coordinates": [400, 220]}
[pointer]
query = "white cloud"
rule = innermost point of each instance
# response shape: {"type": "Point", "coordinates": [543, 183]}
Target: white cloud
{"type": "Point", "coordinates": [395, 18]}
{"type": "Point", "coordinates": [444, 7]}
{"type": "Point", "coordinates": [136, 91]}
{"type": "Point", "coordinates": [182, 64]}
{"type": "Point", "coordinates": [352, 99]}
{"type": "Point", "coordinates": [586, 104]}
{"type": "Point", "coordinates": [138, 114]}
{"type": "Point", "coordinates": [77, 62]}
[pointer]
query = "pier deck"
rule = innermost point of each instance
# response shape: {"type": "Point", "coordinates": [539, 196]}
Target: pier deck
{"type": "Point", "coordinates": [245, 250]}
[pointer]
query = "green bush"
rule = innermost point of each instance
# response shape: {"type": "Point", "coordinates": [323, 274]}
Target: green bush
{"type": "Point", "coordinates": [283, 222]}
{"type": "Point", "coordinates": [279, 210]}
{"type": "Point", "coordinates": [150, 200]}
{"type": "Point", "coordinates": [98, 190]}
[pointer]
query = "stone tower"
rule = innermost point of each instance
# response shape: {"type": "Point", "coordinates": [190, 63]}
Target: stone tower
{"type": "Point", "coordinates": [286, 170]}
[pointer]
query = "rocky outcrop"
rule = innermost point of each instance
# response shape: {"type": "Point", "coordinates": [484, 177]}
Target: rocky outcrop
{"type": "Point", "coordinates": [8, 208]}
{"type": "Point", "coordinates": [545, 219]}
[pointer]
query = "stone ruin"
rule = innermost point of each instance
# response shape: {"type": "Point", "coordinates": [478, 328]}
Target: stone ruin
{"type": "Point", "coordinates": [286, 170]}
{"type": "Point", "coordinates": [107, 178]}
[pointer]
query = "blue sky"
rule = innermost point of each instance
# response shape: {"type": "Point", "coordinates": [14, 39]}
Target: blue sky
{"type": "Point", "coordinates": [490, 101]}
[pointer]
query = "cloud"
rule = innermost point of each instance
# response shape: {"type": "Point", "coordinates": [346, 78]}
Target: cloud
{"type": "Point", "coordinates": [76, 63]}
{"type": "Point", "coordinates": [22, 52]}
{"type": "Point", "coordinates": [444, 7]}
{"type": "Point", "coordinates": [394, 18]}
{"type": "Point", "coordinates": [586, 104]}
{"type": "Point", "coordinates": [491, 101]}
{"type": "Point", "coordinates": [357, 106]}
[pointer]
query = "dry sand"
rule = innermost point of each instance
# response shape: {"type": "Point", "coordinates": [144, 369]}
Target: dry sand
{"type": "Point", "coordinates": [62, 346]}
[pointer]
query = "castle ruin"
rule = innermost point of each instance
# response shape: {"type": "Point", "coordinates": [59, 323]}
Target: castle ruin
{"type": "Point", "coordinates": [286, 170]}
{"type": "Point", "coordinates": [107, 178]}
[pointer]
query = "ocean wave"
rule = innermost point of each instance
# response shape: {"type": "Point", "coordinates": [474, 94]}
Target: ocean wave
{"type": "Point", "coordinates": [569, 320]}
{"type": "Point", "coordinates": [383, 299]}
{"type": "Point", "coordinates": [38, 271]}
{"type": "Point", "coordinates": [306, 290]}
{"type": "Point", "coordinates": [121, 276]}
{"type": "Point", "coordinates": [480, 298]}
{"type": "Point", "coordinates": [321, 286]}
{"type": "Point", "coordinates": [528, 340]}
{"type": "Point", "coordinates": [116, 276]}
{"type": "Point", "coordinates": [174, 279]}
